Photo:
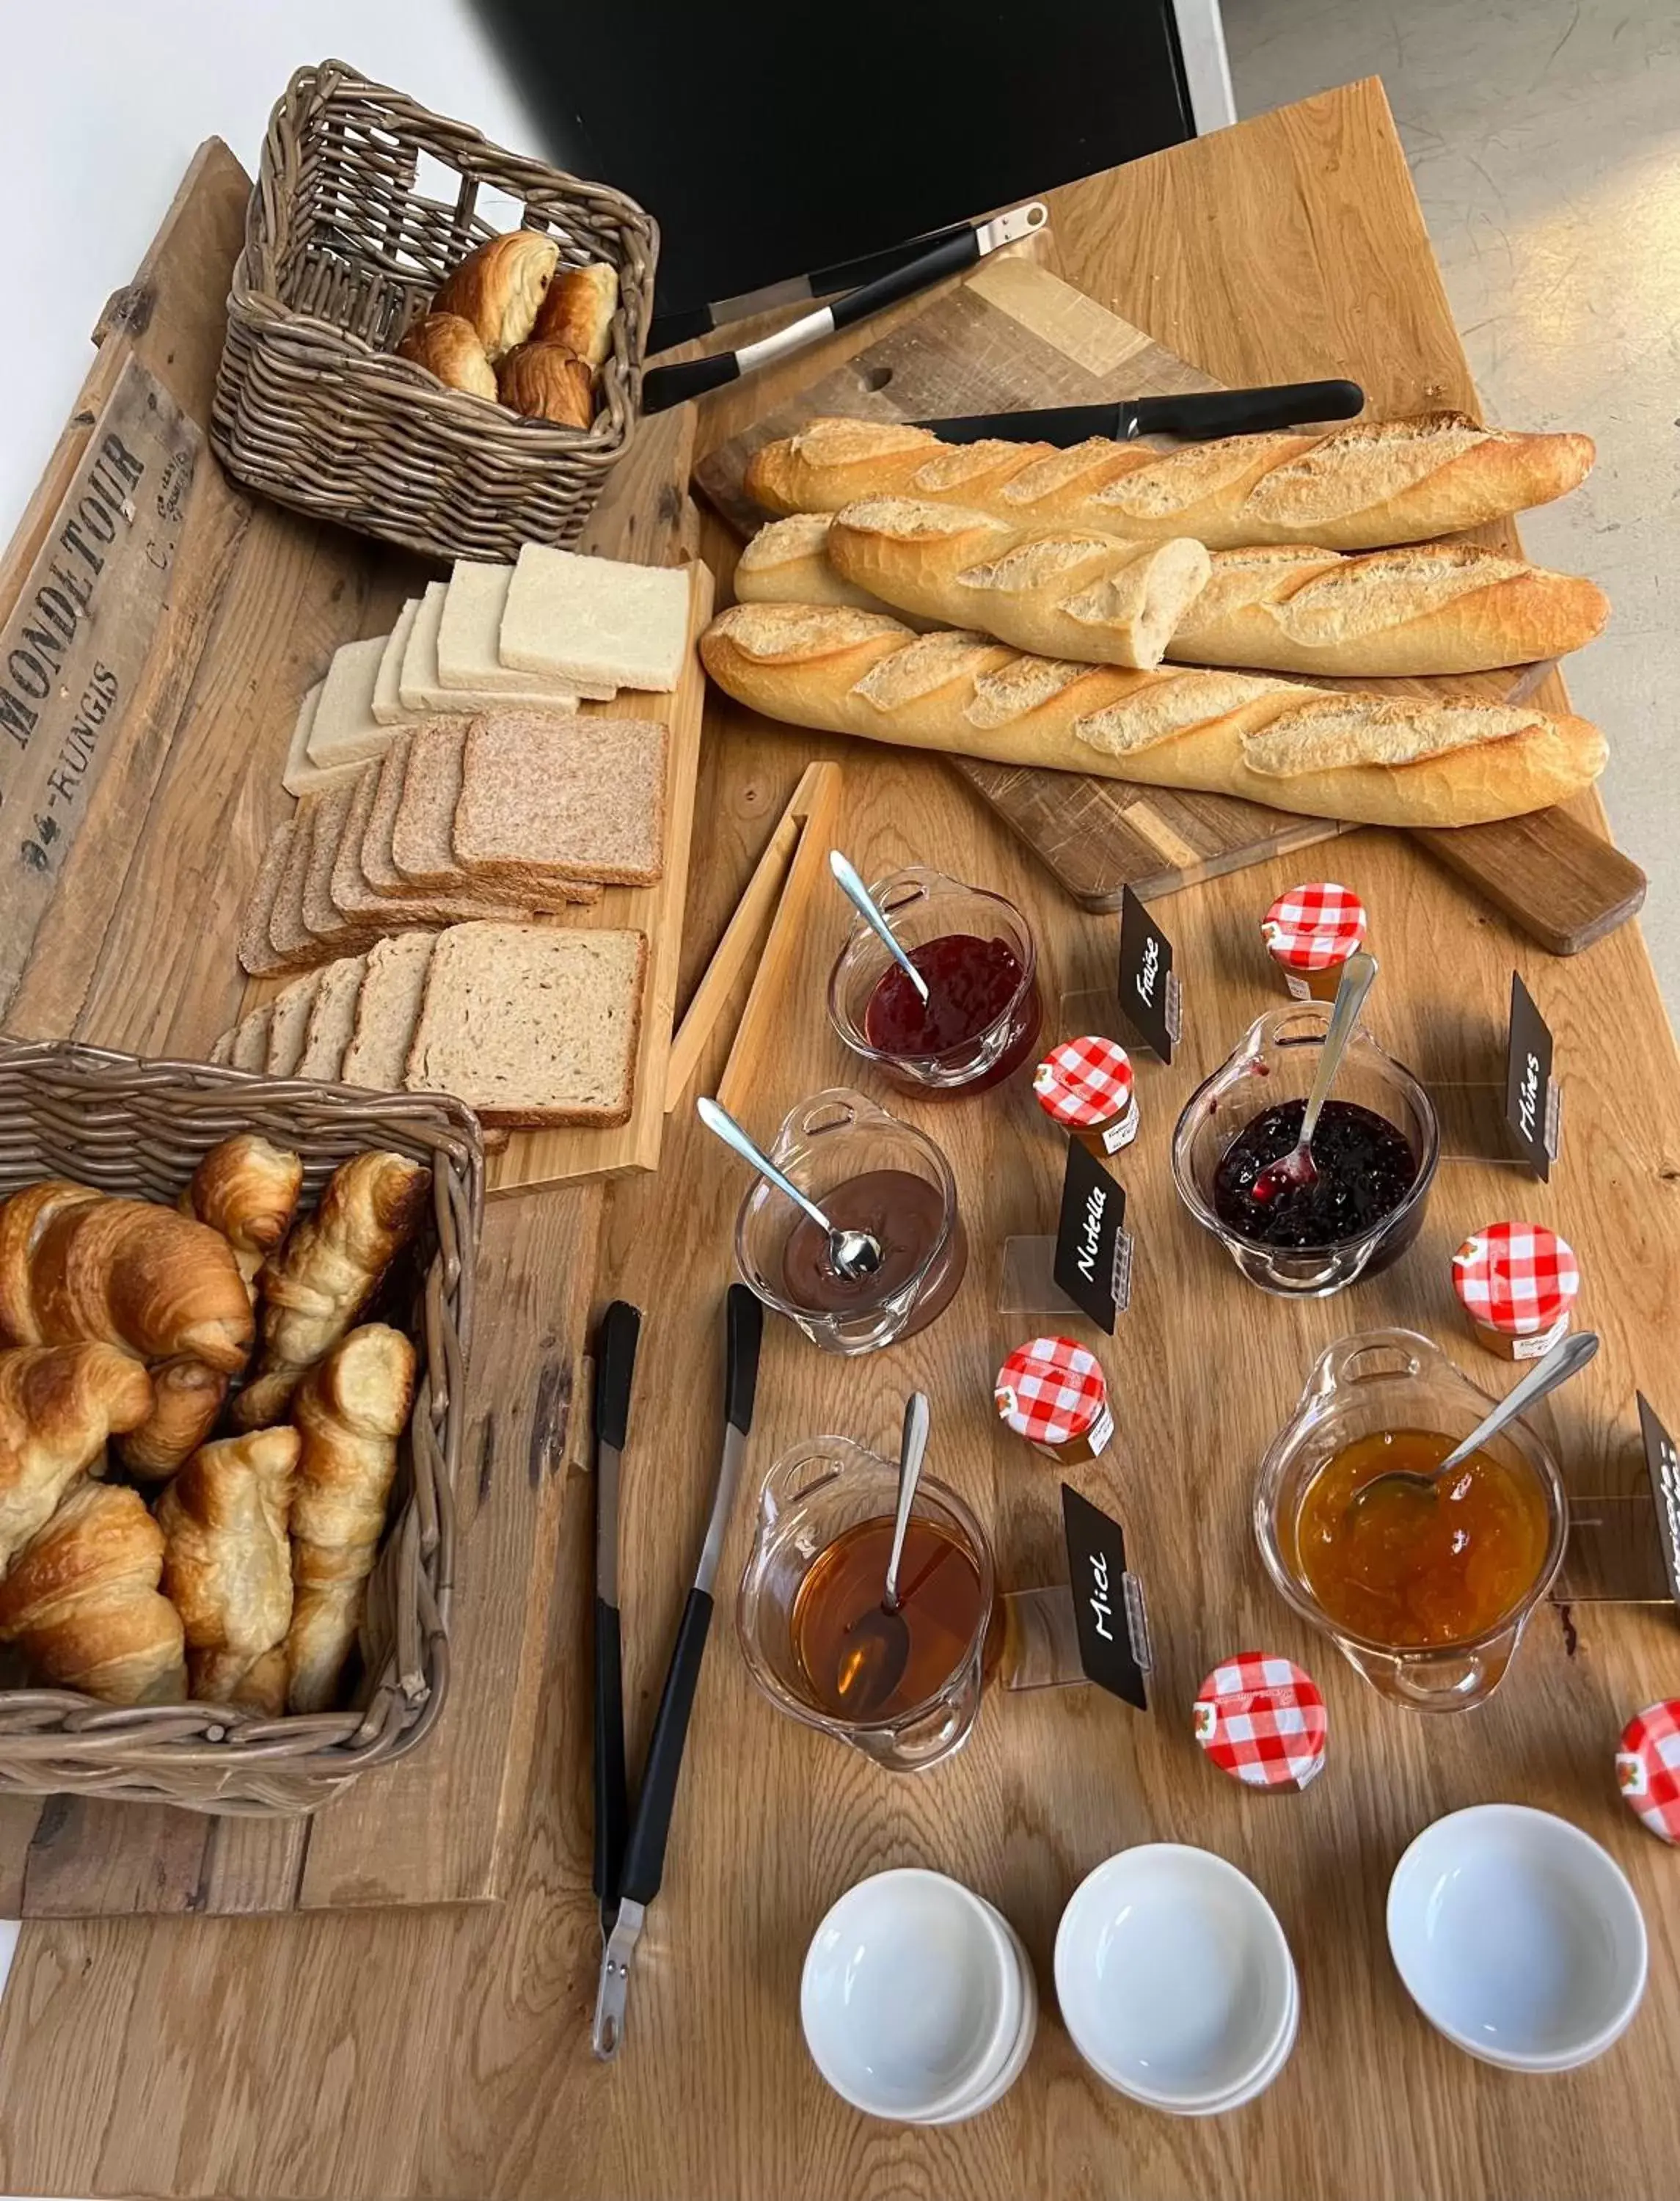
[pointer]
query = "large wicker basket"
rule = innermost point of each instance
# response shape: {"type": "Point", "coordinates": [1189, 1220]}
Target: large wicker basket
{"type": "Point", "coordinates": [140, 1128]}
{"type": "Point", "coordinates": [344, 248]}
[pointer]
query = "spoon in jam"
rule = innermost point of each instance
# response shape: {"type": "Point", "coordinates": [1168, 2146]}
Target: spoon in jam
{"type": "Point", "coordinates": [1296, 1170]}
{"type": "Point", "coordinates": [871, 912]}
{"type": "Point", "coordinates": [851, 1253]}
{"type": "Point", "coordinates": [1567, 1358]}
{"type": "Point", "coordinates": [878, 1646]}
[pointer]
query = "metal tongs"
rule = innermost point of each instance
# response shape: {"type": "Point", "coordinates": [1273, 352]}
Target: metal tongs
{"type": "Point", "coordinates": [630, 1850]}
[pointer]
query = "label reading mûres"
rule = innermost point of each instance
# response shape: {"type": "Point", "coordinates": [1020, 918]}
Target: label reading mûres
{"type": "Point", "coordinates": [74, 648]}
{"type": "Point", "coordinates": [1107, 1601]}
{"type": "Point", "coordinates": [1662, 1465]}
{"type": "Point", "coordinates": [1093, 1256]}
{"type": "Point", "coordinates": [1150, 997]}
{"type": "Point", "coordinates": [1533, 1101]}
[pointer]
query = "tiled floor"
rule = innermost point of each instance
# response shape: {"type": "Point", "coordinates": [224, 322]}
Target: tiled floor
{"type": "Point", "coordinates": [1544, 138]}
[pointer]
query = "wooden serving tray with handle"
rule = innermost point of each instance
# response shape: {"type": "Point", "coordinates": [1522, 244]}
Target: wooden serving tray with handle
{"type": "Point", "coordinates": [1016, 335]}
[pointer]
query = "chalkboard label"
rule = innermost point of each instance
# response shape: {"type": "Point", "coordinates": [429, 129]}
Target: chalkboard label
{"type": "Point", "coordinates": [1662, 1465]}
{"type": "Point", "coordinates": [74, 647]}
{"type": "Point", "coordinates": [1533, 1101]}
{"type": "Point", "coordinates": [1150, 997]}
{"type": "Point", "coordinates": [1093, 1256]}
{"type": "Point", "coordinates": [1107, 1601]}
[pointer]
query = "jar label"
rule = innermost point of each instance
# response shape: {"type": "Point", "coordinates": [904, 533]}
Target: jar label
{"type": "Point", "coordinates": [1536, 1348]}
{"type": "Point", "coordinates": [1121, 1134]}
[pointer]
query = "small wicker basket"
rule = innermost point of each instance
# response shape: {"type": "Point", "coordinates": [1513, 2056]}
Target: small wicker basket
{"type": "Point", "coordinates": [342, 252]}
{"type": "Point", "coordinates": [140, 1129]}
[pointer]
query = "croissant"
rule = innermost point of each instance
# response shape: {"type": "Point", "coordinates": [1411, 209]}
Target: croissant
{"type": "Point", "coordinates": [349, 1412]}
{"type": "Point", "coordinates": [227, 1566]}
{"type": "Point", "coordinates": [320, 1281]}
{"type": "Point", "coordinates": [447, 346]}
{"type": "Point", "coordinates": [186, 1398]}
{"type": "Point", "coordinates": [58, 1405]}
{"type": "Point", "coordinates": [499, 287]}
{"type": "Point", "coordinates": [248, 1190]}
{"type": "Point", "coordinates": [82, 1601]}
{"type": "Point", "coordinates": [80, 1265]}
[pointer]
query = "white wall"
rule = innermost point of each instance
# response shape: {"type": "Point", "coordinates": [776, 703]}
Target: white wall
{"type": "Point", "coordinates": [107, 101]}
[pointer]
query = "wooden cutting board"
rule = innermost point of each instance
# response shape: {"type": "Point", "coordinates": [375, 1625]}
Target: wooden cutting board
{"type": "Point", "coordinates": [1016, 335]}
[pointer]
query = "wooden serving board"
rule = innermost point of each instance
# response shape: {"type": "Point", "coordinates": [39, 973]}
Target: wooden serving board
{"type": "Point", "coordinates": [1014, 335]}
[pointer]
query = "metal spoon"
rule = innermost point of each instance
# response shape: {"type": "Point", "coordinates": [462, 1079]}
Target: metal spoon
{"type": "Point", "coordinates": [851, 1253]}
{"type": "Point", "coordinates": [870, 911]}
{"type": "Point", "coordinates": [1296, 1170]}
{"type": "Point", "coordinates": [877, 1648]}
{"type": "Point", "coordinates": [1567, 1358]}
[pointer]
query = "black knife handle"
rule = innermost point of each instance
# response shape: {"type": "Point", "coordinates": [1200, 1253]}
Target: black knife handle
{"type": "Point", "coordinates": [950, 257]}
{"type": "Point", "coordinates": [614, 1368]}
{"type": "Point", "coordinates": [663, 387]}
{"type": "Point", "coordinates": [746, 1333]}
{"type": "Point", "coordinates": [644, 1858]}
{"type": "Point", "coordinates": [1202, 413]}
{"type": "Point", "coordinates": [612, 1803]}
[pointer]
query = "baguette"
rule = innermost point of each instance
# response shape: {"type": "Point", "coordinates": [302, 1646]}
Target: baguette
{"type": "Point", "coordinates": [1371, 759]}
{"type": "Point", "coordinates": [787, 562]}
{"type": "Point", "coordinates": [1431, 608]}
{"type": "Point", "coordinates": [1353, 488]}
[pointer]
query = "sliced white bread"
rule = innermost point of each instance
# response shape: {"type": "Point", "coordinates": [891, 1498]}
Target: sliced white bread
{"type": "Point", "coordinates": [547, 800]}
{"type": "Point", "coordinates": [388, 709]}
{"type": "Point", "coordinates": [581, 618]}
{"type": "Point", "coordinates": [469, 640]}
{"type": "Point", "coordinates": [345, 731]}
{"type": "Point", "coordinates": [532, 1025]}
{"type": "Point", "coordinates": [300, 776]}
{"type": "Point", "coordinates": [331, 1018]}
{"type": "Point", "coordinates": [387, 1009]}
{"type": "Point", "coordinates": [289, 1026]}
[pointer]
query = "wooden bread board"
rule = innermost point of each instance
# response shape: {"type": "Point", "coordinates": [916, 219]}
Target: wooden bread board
{"type": "Point", "coordinates": [1013, 335]}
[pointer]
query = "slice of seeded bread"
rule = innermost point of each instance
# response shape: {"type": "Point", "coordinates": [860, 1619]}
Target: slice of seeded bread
{"type": "Point", "coordinates": [290, 1025]}
{"type": "Point", "coordinates": [532, 1025]}
{"type": "Point", "coordinates": [250, 1039]}
{"type": "Point", "coordinates": [333, 1018]}
{"type": "Point", "coordinates": [387, 1009]}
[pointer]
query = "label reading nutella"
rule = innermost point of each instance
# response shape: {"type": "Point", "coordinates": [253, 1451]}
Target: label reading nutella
{"type": "Point", "coordinates": [1093, 1256]}
{"type": "Point", "coordinates": [1108, 1602]}
{"type": "Point", "coordinates": [1662, 1465]}
{"type": "Point", "coordinates": [1150, 996]}
{"type": "Point", "coordinates": [1533, 1100]}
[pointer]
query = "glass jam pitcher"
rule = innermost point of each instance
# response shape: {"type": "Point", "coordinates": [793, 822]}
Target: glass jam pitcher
{"type": "Point", "coordinates": [815, 1499]}
{"type": "Point", "coordinates": [1387, 1379]}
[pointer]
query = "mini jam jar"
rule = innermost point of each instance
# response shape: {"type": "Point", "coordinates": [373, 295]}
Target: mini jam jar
{"type": "Point", "coordinates": [1053, 1393]}
{"type": "Point", "coordinates": [1310, 932]}
{"type": "Point", "coordinates": [1086, 1085]}
{"type": "Point", "coordinates": [1517, 1282]}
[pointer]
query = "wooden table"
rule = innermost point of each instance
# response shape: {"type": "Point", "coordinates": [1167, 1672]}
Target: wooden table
{"type": "Point", "coordinates": [447, 2052]}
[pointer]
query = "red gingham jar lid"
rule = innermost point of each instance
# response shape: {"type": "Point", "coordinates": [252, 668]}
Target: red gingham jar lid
{"type": "Point", "coordinates": [1051, 1390]}
{"type": "Point", "coordinates": [1084, 1081]}
{"type": "Point", "coordinates": [1648, 1767]}
{"type": "Point", "coordinates": [1314, 927]}
{"type": "Point", "coordinates": [1516, 1278]}
{"type": "Point", "coordinates": [1262, 1720]}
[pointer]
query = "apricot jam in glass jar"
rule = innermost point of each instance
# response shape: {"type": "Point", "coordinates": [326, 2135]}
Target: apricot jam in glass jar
{"type": "Point", "coordinates": [1053, 1393]}
{"type": "Point", "coordinates": [1516, 1283]}
{"type": "Point", "coordinates": [1310, 932]}
{"type": "Point", "coordinates": [1086, 1085]}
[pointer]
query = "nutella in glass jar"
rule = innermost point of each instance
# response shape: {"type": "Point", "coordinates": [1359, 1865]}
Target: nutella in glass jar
{"type": "Point", "coordinates": [1310, 932]}
{"type": "Point", "coordinates": [1053, 1393]}
{"type": "Point", "coordinates": [1517, 1282]}
{"type": "Point", "coordinates": [1086, 1085]}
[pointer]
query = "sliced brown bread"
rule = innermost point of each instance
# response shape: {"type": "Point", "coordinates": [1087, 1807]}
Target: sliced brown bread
{"type": "Point", "coordinates": [387, 1009]}
{"type": "Point", "coordinates": [221, 1048]}
{"type": "Point", "coordinates": [347, 885]}
{"type": "Point", "coordinates": [422, 833]}
{"type": "Point", "coordinates": [250, 1039]}
{"type": "Point", "coordinates": [532, 1025]}
{"type": "Point", "coordinates": [290, 940]}
{"type": "Point", "coordinates": [544, 799]}
{"type": "Point", "coordinates": [332, 809]}
{"type": "Point", "coordinates": [289, 1026]}
{"type": "Point", "coordinates": [256, 951]}
{"type": "Point", "coordinates": [333, 1018]}
{"type": "Point", "coordinates": [377, 867]}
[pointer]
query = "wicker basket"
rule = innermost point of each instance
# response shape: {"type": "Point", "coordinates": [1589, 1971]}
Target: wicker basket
{"type": "Point", "coordinates": [341, 253]}
{"type": "Point", "coordinates": [140, 1128]}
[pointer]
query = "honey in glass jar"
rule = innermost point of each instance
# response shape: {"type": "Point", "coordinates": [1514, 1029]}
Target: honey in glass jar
{"type": "Point", "coordinates": [1411, 1567]}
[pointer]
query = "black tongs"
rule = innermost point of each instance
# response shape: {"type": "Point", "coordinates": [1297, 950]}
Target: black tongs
{"type": "Point", "coordinates": [630, 1849]}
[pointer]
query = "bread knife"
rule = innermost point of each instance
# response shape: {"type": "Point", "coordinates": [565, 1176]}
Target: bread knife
{"type": "Point", "coordinates": [644, 1865]}
{"type": "Point", "coordinates": [1194, 416]}
{"type": "Point", "coordinates": [664, 386]}
{"type": "Point", "coordinates": [614, 1368]}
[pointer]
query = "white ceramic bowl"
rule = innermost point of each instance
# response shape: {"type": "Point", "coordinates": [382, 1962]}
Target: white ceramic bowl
{"type": "Point", "coordinates": [1517, 1937]}
{"type": "Point", "coordinates": [911, 1998]}
{"type": "Point", "coordinates": [1174, 1978]}
{"type": "Point", "coordinates": [1014, 2062]}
